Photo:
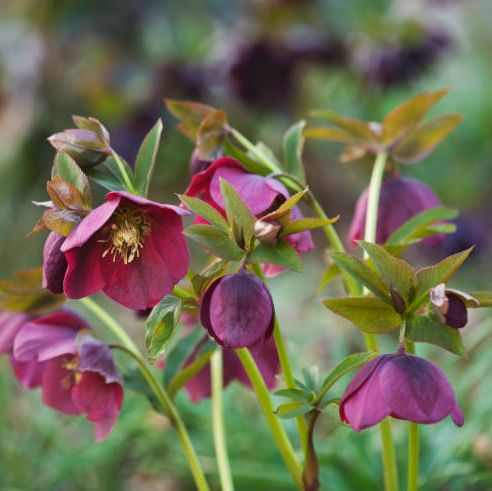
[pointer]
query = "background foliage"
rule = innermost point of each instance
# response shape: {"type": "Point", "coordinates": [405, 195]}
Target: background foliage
{"type": "Point", "coordinates": [267, 63]}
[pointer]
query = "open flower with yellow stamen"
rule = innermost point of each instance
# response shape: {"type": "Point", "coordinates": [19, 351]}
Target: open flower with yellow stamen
{"type": "Point", "coordinates": [131, 248]}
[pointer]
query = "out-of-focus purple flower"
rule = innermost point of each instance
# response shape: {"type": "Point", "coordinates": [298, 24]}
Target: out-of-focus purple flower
{"type": "Point", "coordinates": [237, 311]}
{"type": "Point", "coordinates": [470, 231]}
{"type": "Point", "coordinates": [265, 355]}
{"type": "Point", "coordinates": [131, 248]}
{"type": "Point", "coordinates": [54, 263]}
{"type": "Point", "coordinates": [260, 193]}
{"type": "Point", "coordinates": [76, 372]}
{"type": "Point", "coordinates": [197, 164]}
{"type": "Point", "coordinates": [401, 199]}
{"type": "Point", "coordinates": [402, 386]}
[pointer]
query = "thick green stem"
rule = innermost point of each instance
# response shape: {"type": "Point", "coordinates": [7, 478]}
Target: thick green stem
{"type": "Point", "coordinates": [156, 387]}
{"type": "Point", "coordinates": [289, 380]}
{"type": "Point", "coordinates": [123, 172]}
{"type": "Point", "coordinates": [389, 457]}
{"type": "Point", "coordinates": [218, 422]}
{"type": "Point", "coordinates": [413, 444]}
{"type": "Point", "coordinates": [278, 432]}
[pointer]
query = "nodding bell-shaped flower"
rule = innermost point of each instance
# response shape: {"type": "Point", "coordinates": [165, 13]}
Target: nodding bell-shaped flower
{"type": "Point", "coordinates": [402, 386]}
{"type": "Point", "coordinates": [237, 311]}
{"type": "Point", "coordinates": [450, 305]}
{"type": "Point", "coordinates": [401, 199]}
{"type": "Point", "coordinates": [199, 386]}
{"type": "Point", "coordinates": [76, 372]}
{"type": "Point", "coordinates": [131, 248]}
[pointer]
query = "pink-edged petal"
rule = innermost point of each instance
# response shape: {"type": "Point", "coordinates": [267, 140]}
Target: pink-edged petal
{"type": "Point", "coordinates": [10, 325]}
{"type": "Point", "coordinates": [97, 399]}
{"type": "Point", "coordinates": [104, 427]}
{"type": "Point", "coordinates": [93, 222]}
{"type": "Point", "coordinates": [416, 390]}
{"type": "Point", "coordinates": [118, 195]}
{"type": "Point", "coordinates": [95, 356]}
{"type": "Point", "coordinates": [28, 373]}
{"type": "Point", "coordinates": [57, 383]}
{"type": "Point", "coordinates": [49, 336]}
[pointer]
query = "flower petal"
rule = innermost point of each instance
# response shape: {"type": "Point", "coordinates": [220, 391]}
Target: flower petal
{"type": "Point", "coordinates": [54, 263]}
{"type": "Point", "coordinates": [95, 356]}
{"type": "Point", "coordinates": [28, 373]}
{"type": "Point", "coordinates": [10, 325]}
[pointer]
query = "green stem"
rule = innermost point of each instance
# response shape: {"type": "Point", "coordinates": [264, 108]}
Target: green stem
{"type": "Point", "coordinates": [413, 444]}
{"type": "Point", "coordinates": [289, 380]}
{"type": "Point", "coordinates": [389, 456]}
{"type": "Point", "coordinates": [254, 150]}
{"type": "Point", "coordinates": [123, 172]}
{"type": "Point", "coordinates": [218, 422]}
{"type": "Point", "coordinates": [276, 428]}
{"type": "Point", "coordinates": [162, 396]}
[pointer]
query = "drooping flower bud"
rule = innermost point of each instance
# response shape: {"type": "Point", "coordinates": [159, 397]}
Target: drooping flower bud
{"type": "Point", "coordinates": [54, 263]}
{"type": "Point", "coordinates": [402, 386]}
{"type": "Point", "coordinates": [401, 199]}
{"type": "Point", "coordinates": [267, 232]}
{"type": "Point", "coordinates": [450, 306]}
{"type": "Point", "coordinates": [88, 144]}
{"type": "Point", "coordinates": [197, 164]}
{"type": "Point", "coordinates": [237, 310]}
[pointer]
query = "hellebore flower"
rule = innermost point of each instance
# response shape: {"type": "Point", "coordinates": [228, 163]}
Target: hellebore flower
{"type": "Point", "coordinates": [88, 144]}
{"type": "Point", "coordinates": [450, 306]}
{"type": "Point", "coordinates": [237, 310]}
{"type": "Point", "coordinates": [27, 373]}
{"type": "Point", "coordinates": [131, 248]}
{"type": "Point", "coordinates": [199, 387]}
{"type": "Point", "coordinates": [54, 263]}
{"type": "Point", "coordinates": [78, 374]}
{"type": "Point", "coordinates": [401, 199]}
{"type": "Point", "coordinates": [260, 193]}
{"type": "Point", "coordinates": [402, 386]}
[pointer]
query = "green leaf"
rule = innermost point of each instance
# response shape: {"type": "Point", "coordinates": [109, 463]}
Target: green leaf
{"type": "Point", "coordinates": [250, 164]}
{"type": "Point", "coordinates": [350, 363]}
{"type": "Point", "coordinates": [292, 410]}
{"type": "Point", "coordinates": [302, 224]}
{"type": "Point", "coordinates": [419, 143]}
{"type": "Point", "coordinates": [427, 329]}
{"type": "Point", "coordinates": [105, 179]}
{"type": "Point", "coordinates": [331, 134]}
{"type": "Point", "coordinates": [331, 272]}
{"type": "Point", "coordinates": [238, 214]}
{"type": "Point", "coordinates": [297, 395]}
{"type": "Point", "coordinates": [145, 161]}
{"type": "Point", "coordinates": [162, 325]}
{"type": "Point", "coordinates": [206, 211]}
{"type": "Point", "coordinates": [211, 134]}
{"type": "Point", "coordinates": [406, 116]}
{"type": "Point", "coordinates": [218, 243]}
{"type": "Point", "coordinates": [396, 273]}
{"type": "Point", "coordinates": [362, 273]}
{"type": "Point", "coordinates": [111, 164]}
{"type": "Point", "coordinates": [484, 298]}
{"type": "Point", "coordinates": [282, 254]}
{"type": "Point", "coordinates": [439, 273]}
{"type": "Point", "coordinates": [293, 144]}
{"type": "Point", "coordinates": [67, 169]}
{"type": "Point", "coordinates": [414, 227]}
{"type": "Point", "coordinates": [368, 314]}
{"type": "Point", "coordinates": [190, 114]}
{"type": "Point", "coordinates": [360, 130]}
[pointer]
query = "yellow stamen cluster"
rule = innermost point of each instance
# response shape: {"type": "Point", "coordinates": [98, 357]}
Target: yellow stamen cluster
{"type": "Point", "coordinates": [72, 365]}
{"type": "Point", "coordinates": [126, 234]}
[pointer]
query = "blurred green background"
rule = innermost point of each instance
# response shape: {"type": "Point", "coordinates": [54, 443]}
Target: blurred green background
{"type": "Point", "coordinates": [267, 63]}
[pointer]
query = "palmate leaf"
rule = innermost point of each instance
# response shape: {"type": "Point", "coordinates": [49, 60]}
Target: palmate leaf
{"type": "Point", "coordinates": [206, 211]}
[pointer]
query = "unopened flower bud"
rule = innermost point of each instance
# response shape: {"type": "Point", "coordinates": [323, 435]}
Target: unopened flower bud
{"type": "Point", "coordinates": [197, 164]}
{"type": "Point", "coordinates": [54, 263]}
{"type": "Point", "coordinates": [450, 306]}
{"type": "Point", "coordinates": [267, 232]}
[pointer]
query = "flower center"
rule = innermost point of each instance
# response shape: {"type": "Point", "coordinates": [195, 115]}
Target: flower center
{"type": "Point", "coordinates": [126, 234]}
{"type": "Point", "coordinates": [70, 364]}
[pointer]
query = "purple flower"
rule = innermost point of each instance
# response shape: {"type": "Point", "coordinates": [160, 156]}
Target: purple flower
{"type": "Point", "coordinates": [131, 248]}
{"type": "Point", "coordinates": [450, 305]}
{"type": "Point", "coordinates": [54, 263]}
{"type": "Point", "coordinates": [199, 387]}
{"type": "Point", "coordinates": [402, 386]}
{"type": "Point", "coordinates": [237, 311]}
{"type": "Point", "coordinates": [401, 199]}
{"type": "Point", "coordinates": [76, 372]}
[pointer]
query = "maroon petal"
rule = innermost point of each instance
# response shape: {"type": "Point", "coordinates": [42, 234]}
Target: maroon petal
{"type": "Point", "coordinates": [416, 390]}
{"type": "Point", "coordinates": [28, 373]}
{"type": "Point", "coordinates": [239, 311]}
{"type": "Point", "coordinates": [457, 314]}
{"type": "Point", "coordinates": [118, 195]}
{"type": "Point", "coordinates": [101, 402]}
{"type": "Point", "coordinates": [54, 263]}
{"type": "Point", "coordinates": [95, 356]}
{"type": "Point", "coordinates": [10, 325]}
{"type": "Point", "coordinates": [57, 383]}
{"type": "Point", "coordinates": [48, 337]}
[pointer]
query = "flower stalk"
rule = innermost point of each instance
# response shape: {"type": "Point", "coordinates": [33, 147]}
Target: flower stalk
{"type": "Point", "coordinates": [413, 444]}
{"type": "Point", "coordinates": [162, 396]}
{"type": "Point", "coordinates": [216, 375]}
